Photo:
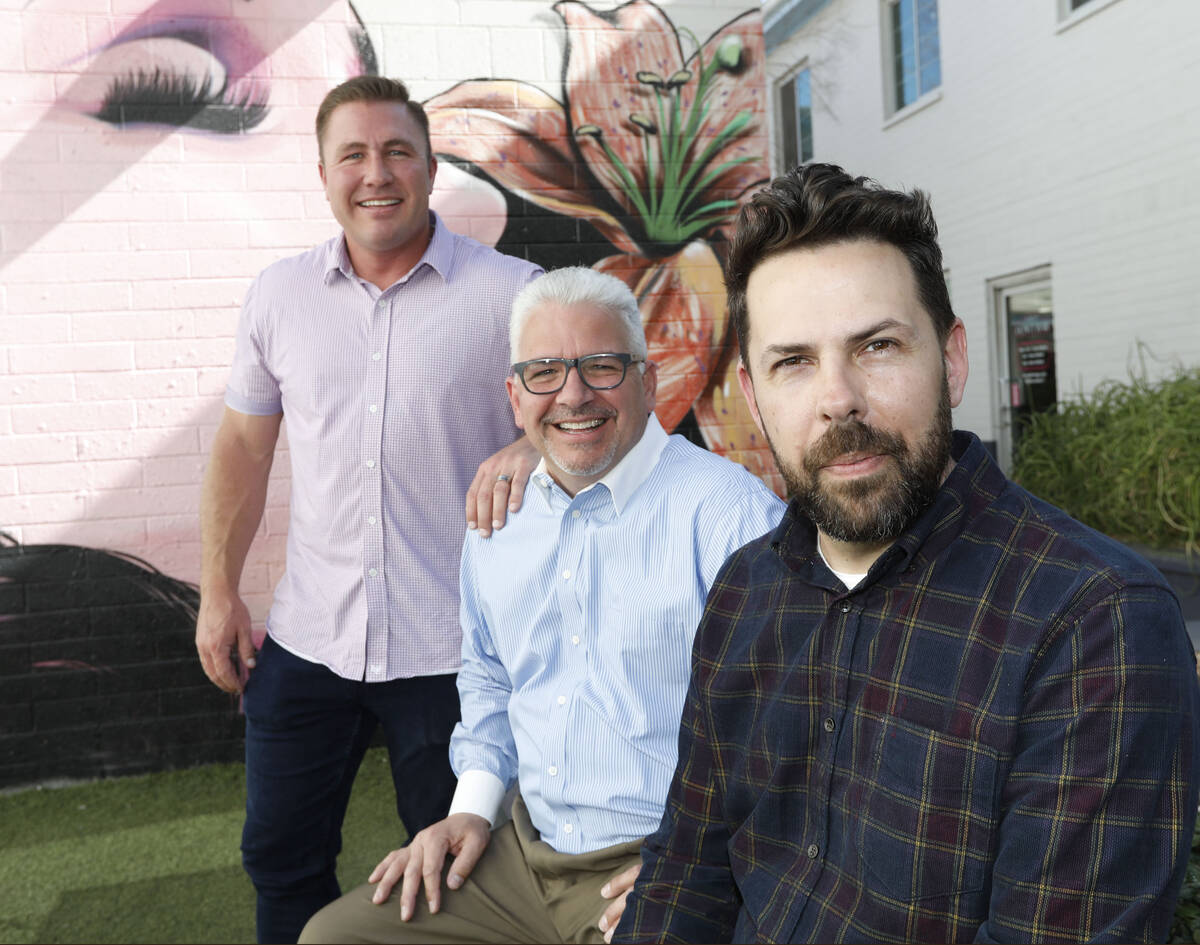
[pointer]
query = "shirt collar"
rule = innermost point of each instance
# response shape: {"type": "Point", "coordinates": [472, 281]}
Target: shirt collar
{"type": "Point", "coordinates": [438, 255]}
{"type": "Point", "coordinates": [795, 538]}
{"type": "Point", "coordinates": [623, 480]}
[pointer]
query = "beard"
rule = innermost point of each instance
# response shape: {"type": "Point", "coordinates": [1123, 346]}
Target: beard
{"type": "Point", "coordinates": [578, 468]}
{"type": "Point", "coordinates": [878, 507]}
{"type": "Point", "coordinates": [599, 463]}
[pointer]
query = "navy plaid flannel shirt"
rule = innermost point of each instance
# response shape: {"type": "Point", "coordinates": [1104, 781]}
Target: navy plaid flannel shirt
{"type": "Point", "coordinates": [993, 737]}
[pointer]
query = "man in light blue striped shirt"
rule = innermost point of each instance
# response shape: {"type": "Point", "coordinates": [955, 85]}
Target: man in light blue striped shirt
{"type": "Point", "coordinates": [577, 625]}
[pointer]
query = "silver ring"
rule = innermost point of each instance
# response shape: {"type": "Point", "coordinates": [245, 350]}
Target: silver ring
{"type": "Point", "coordinates": [503, 478]}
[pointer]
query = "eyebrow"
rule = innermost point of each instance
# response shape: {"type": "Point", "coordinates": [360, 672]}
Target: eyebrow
{"type": "Point", "coordinates": [888, 324]}
{"type": "Point", "coordinates": [359, 145]}
{"type": "Point", "coordinates": [788, 350]}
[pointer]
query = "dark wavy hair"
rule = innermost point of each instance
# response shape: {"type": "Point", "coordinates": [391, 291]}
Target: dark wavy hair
{"type": "Point", "coordinates": [370, 88]}
{"type": "Point", "coordinates": [819, 204]}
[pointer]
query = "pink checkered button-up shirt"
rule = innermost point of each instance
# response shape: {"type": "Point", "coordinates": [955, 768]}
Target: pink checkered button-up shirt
{"type": "Point", "coordinates": [391, 400]}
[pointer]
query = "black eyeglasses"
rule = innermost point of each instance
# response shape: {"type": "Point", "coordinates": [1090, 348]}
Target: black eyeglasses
{"type": "Point", "coordinates": [597, 371]}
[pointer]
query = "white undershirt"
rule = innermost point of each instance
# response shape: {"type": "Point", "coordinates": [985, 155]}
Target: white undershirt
{"type": "Point", "coordinates": [846, 577]}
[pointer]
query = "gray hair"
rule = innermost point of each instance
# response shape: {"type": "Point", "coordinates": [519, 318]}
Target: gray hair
{"type": "Point", "coordinates": [578, 285]}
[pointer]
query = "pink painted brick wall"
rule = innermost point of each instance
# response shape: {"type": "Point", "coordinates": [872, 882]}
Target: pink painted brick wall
{"type": "Point", "coordinates": [125, 250]}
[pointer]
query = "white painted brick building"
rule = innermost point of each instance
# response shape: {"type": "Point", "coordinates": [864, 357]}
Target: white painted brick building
{"type": "Point", "coordinates": [1060, 142]}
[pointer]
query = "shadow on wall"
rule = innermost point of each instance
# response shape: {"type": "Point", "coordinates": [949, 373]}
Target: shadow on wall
{"type": "Point", "coordinates": [638, 171]}
{"type": "Point", "coordinates": [98, 669]}
{"type": "Point", "coordinates": [154, 73]}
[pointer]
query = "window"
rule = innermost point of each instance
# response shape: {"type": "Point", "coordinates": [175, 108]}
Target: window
{"type": "Point", "coordinates": [1071, 11]}
{"type": "Point", "coordinates": [795, 106]}
{"type": "Point", "coordinates": [911, 38]}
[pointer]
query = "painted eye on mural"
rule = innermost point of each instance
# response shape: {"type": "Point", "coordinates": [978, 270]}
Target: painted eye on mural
{"type": "Point", "coordinates": [175, 80]}
{"type": "Point", "coordinates": [198, 73]}
{"type": "Point", "coordinates": [175, 67]}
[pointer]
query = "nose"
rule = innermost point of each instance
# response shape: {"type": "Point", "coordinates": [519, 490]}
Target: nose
{"type": "Point", "coordinates": [377, 171]}
{"type": "Point", "coordinates": [841, 395]}
{"type": "Point", "coordinates": [574, 392]}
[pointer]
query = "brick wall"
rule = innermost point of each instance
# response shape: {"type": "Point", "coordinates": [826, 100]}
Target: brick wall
{"type": "Point", "coordinates": [98, 671]}
{"type": "Point", "coordinates": [125, 250]}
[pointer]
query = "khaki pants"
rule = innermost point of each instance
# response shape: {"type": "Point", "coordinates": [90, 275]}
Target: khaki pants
{"type": "Point", "coordinates": [521, 890]}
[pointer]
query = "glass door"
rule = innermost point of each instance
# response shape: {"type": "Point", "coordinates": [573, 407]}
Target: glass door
{"type": "Point", "coordinates": [1028, 384]}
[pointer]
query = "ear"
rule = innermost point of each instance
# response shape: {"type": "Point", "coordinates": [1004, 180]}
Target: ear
{"type": "Point", "coordinates": [747, 386]}
{"type": "Point", "coordinates": [650, 385]}
{"type": "Point", "coordinates": [324, 182]}
{"type": "Point", "coordinates": [514, 398]}
{"type": "Point", "coordinates": [432, 171]}
{"type": "Point", "coordinates": [954, 355]}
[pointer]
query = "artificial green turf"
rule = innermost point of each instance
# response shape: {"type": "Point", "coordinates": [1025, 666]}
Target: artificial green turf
{"type": "Point", "coordinates": [155, 858]}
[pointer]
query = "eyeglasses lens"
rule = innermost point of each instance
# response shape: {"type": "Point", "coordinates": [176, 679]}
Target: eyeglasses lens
{"type": "Point", "coordinates": [599, 371]}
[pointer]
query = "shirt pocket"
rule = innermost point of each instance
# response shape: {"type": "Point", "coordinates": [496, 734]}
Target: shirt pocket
{"type": "Point", "coordinates": [928, 816]}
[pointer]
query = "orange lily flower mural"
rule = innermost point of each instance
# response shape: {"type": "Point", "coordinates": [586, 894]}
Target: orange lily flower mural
{"type": "Point", "coordinates": [657, 151]}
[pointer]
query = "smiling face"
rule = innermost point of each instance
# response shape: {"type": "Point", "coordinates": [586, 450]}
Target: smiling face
{"type": "Point", "coordinates": [378, 178]}
{"type": "Point", "coordinates": [847, 379]}
{"type": "Point", "coordinates": [580, 432]}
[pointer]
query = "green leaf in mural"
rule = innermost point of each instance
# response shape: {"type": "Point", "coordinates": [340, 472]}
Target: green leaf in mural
{"type": "Point", "coordinates": [657, 147]}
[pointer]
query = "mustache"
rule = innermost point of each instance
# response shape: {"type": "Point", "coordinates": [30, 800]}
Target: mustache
{"type": "Point", "coordinates": [575, 416]}
{"type": "Point", "coordinates": [853, 436]}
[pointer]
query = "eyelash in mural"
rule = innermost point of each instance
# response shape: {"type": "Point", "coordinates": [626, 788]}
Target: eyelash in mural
{"type": "Point", "coordinates": [362, 43]}
{"type": "Point", "coordinates": [168, 98]}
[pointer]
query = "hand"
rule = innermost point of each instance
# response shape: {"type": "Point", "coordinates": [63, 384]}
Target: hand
{"type": "Point", "coordinates": [490, 498]}
{"type": "Point", "coordinates": [617, 887]}
{"type": "Point", "coordinates": [223, 624]}
{"type": "Point", "coordinates": [465, 835]}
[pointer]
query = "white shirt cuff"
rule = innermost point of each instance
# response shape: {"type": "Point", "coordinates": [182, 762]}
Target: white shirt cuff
{"type": "Point", "coordinates": [479, 793]}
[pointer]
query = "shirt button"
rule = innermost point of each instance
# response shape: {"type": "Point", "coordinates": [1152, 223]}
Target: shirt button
{"type": "Point", "coordinates": [812, 851]}
{"type": "Point", "coordinates": [370, 519]}
{"type": "Point", "coordinates": [374, 408]}
{"type": "Point", "coordinates": [373, 572]}
{"type": "Point", "coordinates": [376, 669]}
{"type": "Point", "coordinates": [575, 513]}
{"type": "Point", "coordinates": [376, 356]}
{"type": "Point", "coordinates": [829, 726]}
{"type": "Point", "coordinates": [575, 640]}
{"type": "Point", "coordinates": [567, 828]}
{"type": "Point", "coordinates": [552, 771]}
{"type": "Point", "coordinates": [370, 464]}
{"type": "Point", "coordinates": [845, 607]}
{"type": "Point", "coordinates": [567, 574]}
{"type": "Point", "coordinates": [562, 700]}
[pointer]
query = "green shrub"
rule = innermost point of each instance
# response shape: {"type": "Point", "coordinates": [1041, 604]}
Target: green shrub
{"type": "Point", "coordinates": [1124, 459]}
{"type": "Point", "coordinates": [1186, 925]}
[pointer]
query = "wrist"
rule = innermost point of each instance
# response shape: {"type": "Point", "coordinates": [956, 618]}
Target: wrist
{"type": "Point", "coordinates": [480, 793]}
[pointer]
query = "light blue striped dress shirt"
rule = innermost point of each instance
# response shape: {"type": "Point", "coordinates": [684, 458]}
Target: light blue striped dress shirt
{"type": "Point", "coordinates": [577, 622]}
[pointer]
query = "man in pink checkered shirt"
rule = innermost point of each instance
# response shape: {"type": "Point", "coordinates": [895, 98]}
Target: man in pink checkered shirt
{"type": "Point", "coordinates": [386, 350]}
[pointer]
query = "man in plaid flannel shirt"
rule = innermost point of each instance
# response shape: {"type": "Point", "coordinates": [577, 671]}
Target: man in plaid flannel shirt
{"type": "Point", "coordinates": [928, 706]}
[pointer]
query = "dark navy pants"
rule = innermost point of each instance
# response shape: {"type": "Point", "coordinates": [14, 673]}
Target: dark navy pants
{"type": "Point", "coordinates": [306, 732]}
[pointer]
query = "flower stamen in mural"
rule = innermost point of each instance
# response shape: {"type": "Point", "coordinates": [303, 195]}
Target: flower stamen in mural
{"type": "Point", "coordinates": [657, 151]}
{"type": "Point", "coordinates": [667, 198]}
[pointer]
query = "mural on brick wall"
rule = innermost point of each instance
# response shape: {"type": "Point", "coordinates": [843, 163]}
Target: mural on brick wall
{"type": "Point", "coordinates": [158, 155]}
{"type": "Point", "coordinates": [656, 141]}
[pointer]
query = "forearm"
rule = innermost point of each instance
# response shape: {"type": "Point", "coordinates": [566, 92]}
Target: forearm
{"type": "Point", "coordinates": [685, 891]}
{"type": "Point", "coordinates": [1101, 796]}
{"type": "Point", "coordinates": [233, 498]}
{"type": "Point", "coordinates": [483, 740]}
{"type": "Point", "coordinates": [676, 901]}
